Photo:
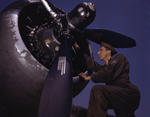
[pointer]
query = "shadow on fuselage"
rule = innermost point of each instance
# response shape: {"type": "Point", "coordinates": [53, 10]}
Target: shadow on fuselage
{"type": "Point", "coordinates": [78, 111]}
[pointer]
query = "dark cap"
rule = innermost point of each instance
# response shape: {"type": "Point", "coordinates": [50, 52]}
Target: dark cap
{"type": "Point", "coordinates": [110, 47]}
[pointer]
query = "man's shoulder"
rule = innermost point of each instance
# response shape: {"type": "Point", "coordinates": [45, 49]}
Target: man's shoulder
{"type": "Point", "coordinates": [118, 58]}
{"type": "Point", "coordinates": [121, 56]}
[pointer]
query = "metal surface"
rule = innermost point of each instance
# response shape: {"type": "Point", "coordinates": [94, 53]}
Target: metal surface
{"type": "Point", "coordinates": [22, 73]}
{"type": "Point", "coordinates": [115, 39]}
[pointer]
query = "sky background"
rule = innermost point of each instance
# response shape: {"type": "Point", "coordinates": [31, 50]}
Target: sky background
{"type": "Point", "coordinates": [131, 18]}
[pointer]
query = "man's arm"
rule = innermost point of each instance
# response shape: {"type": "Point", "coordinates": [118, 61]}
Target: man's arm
{"type": "Point", "coordinates": [110, 72]}
{"type": "Point", "coordinates": [91, 64]}
{"type": "Point", "coordinates": [103, 75]}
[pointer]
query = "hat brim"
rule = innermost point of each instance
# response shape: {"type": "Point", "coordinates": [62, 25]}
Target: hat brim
{"type": "Point", "coordinates": [115, 39]}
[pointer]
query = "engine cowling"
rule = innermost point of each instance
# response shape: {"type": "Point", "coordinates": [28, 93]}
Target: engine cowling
{"type": "Point", "coordinates": [27, 51]}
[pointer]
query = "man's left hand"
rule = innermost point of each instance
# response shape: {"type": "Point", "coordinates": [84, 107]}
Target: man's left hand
{"type": "Point", "coordinates": [83, 75]}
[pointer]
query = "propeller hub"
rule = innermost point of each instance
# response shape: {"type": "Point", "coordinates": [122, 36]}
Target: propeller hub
{"type": "Point", "coordinates": [90, 5]}
{"type": "Point", "coordinates": [82, 15]}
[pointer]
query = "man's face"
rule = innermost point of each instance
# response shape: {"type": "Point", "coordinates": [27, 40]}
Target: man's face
{"type": "Point", "coordinates": [103, 53]}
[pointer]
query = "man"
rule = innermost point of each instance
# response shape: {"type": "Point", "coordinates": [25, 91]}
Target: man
{"type": "Point", "coordinates": [118, 93]}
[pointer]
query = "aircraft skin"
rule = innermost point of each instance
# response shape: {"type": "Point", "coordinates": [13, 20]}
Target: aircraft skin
{"type": "Point", "coordinates": [22, 75]}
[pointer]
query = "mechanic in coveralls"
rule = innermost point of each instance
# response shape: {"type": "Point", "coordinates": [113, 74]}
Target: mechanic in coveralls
{"type": "Point", "coordinates": [119, 93]}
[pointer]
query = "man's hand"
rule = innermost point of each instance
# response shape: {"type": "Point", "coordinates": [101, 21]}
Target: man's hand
{"type": "Point", "coordinates": [83, 75]}
{"type": "Point", "coordinates": [76, 45]}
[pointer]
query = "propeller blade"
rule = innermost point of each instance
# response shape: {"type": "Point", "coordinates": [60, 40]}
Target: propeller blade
{"type": "Point", "coordinates": [56, 98]}
{"type": "Point", "coordinates": [115, 39]}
